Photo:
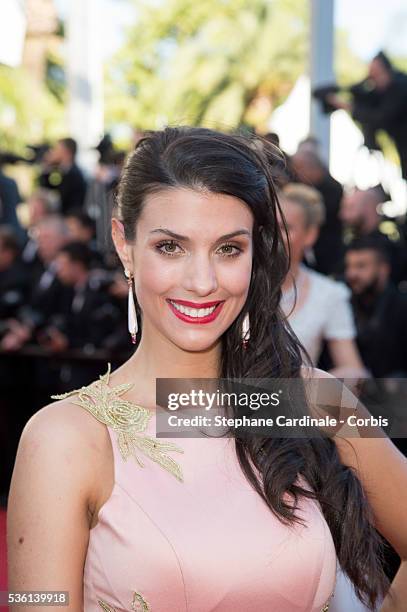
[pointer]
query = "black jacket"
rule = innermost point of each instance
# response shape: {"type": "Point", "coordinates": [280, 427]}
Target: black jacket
{"type": "Point", "coordinates": [71, 186]}
{"type": "Point", "coordinates": [9, 200]}
{"type": "Point", "coordinates": [382, 332]}
{"type": "Point", "coordinates": [383, 110]}
{"type": "Point", "coordinates": [328, 248]}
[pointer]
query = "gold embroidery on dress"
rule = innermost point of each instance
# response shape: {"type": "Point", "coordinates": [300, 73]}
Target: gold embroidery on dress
{"type": "Point", "coordinates": [105, 606]}
{"type": "Point", "coordinates": [127, 419]}
{"type": "Point", "coordinates": [139, 604]}
{"type": "Point", "coordinates": [326, 605]}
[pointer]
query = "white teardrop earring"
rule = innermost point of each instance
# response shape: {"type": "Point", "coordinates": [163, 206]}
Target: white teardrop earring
{"type": "Point", "coordinates": [132, 316]}
{"type": "Point", "coordinates": [246, 330]}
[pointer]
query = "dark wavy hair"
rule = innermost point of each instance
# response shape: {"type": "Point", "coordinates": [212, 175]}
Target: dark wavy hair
{"type": "Point", "coordinates": [203, 159]}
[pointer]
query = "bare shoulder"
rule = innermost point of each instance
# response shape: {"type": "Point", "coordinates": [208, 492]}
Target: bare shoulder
{"type": "Point", "coordinates": [57, 473]}
{"type": "Point", "coordinates": [309, 372]}
{"type": "Point", "coordinates": [63, 425]}
{"type": "Point", "coordinates": [379, 465]}
{"type": "Point", "coordinates": [63, 437]}
{"type": "Point", "coordinates": [360, 443]}
{"type": "Point", "coordinates": [65, 417]}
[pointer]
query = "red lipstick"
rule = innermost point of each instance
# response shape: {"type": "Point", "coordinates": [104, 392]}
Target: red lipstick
{"type": "Point", "coordinates": [196, 320]}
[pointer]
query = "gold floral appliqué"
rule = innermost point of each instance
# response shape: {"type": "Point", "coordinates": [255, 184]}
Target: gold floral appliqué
{"type": "Point", "coordinates": [127, 419]}
{"type": "Point", "coordinates": [139, 604]}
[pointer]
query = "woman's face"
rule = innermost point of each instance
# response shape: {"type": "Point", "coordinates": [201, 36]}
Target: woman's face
{"type": "Point", "coordinates": [192, 263]}
{"type": "Point", "coordinates": [300, 236]}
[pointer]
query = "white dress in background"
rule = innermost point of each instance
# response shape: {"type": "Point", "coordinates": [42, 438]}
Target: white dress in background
{"type": "Point", "coordinates": [326, 314]}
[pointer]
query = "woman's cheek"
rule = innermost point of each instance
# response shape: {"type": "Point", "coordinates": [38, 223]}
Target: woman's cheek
{"type": "Point", "coordinates": [154, 277]}
{"type": "Point", "coordinates": [235, 279]}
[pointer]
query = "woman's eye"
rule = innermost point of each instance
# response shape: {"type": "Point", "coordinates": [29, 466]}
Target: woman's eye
{"type": "Point", "coordinates": [229, 250]}
{"type": "Point", "coordinates": [169, 248]}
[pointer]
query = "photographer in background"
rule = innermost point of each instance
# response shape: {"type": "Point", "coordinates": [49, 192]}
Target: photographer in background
{"type": "Point", "coordinates": [379, 103]}
{"type": "Point", "coordinates": [60, 172]}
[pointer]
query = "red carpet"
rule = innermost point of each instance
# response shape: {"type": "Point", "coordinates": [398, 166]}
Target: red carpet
{"type": "Point", "coordinates": [3, 558]}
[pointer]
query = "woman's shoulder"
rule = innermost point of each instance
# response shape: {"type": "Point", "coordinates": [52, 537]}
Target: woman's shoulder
{"type": "Point", "coordinates": [64, 453]}
{"type": "Point", "coordinates": [311, 373]}
{"type": "Point", "coordinates": [66, 419]}
{"type": "Point", "coordinates": [62, 437]}
{"type": "Point", "coordinates": [322, 384]}
{"type": "Point", "coordinates": [76, 413]}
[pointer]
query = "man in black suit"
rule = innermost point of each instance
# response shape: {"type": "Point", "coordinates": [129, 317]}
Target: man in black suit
{"type": "Point", "coordinates": [89, 320]}
{"type": "Point", "coordinates": [361, 217]}
{"type": "Point", "coordinates": [309, 168]}
{"type": "Point", "coordinates": [91, 315]}
{"type": "Point", "coordinates": [61, 173]}
{"type": "Point", "coordinates": [380, 310]}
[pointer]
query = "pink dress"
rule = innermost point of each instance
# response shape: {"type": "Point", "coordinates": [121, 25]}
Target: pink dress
{"type": "Point", "coordinates": [203, 543]}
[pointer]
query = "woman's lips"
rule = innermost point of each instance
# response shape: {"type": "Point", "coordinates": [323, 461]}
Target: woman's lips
{"type": "Point", "coordinates": [196, 306]}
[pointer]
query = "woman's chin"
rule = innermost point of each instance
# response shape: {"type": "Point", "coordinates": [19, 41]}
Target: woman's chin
{"type": "Point", "coordinates": [199, 343]}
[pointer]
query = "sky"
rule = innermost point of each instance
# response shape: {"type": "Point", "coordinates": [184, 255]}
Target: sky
{"type": "Point", "coordinates": [371, 24]}
{"type": "Point", "coordinates": [115, 16]}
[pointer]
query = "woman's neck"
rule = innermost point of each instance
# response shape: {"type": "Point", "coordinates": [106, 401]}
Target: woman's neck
{"type": "Point", "coordinates": [157, 357]}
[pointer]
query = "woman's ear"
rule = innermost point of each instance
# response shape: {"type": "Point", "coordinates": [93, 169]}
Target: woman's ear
{"type": "Point", "coordinates": [122, 247]}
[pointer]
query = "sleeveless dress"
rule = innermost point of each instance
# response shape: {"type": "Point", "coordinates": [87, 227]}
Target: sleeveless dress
{"type": "Point", "coordinates": [184, 531]}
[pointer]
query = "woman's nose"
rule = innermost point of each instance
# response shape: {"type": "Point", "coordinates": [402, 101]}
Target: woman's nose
{"type": "Point", "coordinates": [200, 275]}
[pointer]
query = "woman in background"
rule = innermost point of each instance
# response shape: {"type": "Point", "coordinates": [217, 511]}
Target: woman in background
{"type": "Point", "coordinates": [317, 307]}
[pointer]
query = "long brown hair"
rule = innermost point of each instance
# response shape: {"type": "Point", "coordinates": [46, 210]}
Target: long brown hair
{"type": "Point", "coordinates": [199, 158]}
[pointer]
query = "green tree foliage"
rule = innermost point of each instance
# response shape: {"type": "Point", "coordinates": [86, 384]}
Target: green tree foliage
{"type": "Point", "coordinates": [32, 108]}
{"type": "Point", "coordinates": [28, 111]}
{"type": "Point", "coordinates": [218, 62]}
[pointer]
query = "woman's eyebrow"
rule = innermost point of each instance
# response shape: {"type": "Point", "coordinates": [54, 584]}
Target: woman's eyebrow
{"type": "Point", "coordinates": [163, 230]}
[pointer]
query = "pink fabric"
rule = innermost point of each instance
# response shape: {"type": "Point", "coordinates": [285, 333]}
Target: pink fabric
{"type": "Point", "coordinates": [208, 544]}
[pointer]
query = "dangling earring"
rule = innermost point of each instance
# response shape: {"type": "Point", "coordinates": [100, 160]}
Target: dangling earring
{"type": "Point", "coordinates": [246, 330]}
{"type": "Point", "coordinates": [132, 316]}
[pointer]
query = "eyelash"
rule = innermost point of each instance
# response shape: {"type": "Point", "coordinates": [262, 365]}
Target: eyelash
{"type": "Point", "coordinates": [164, 243]}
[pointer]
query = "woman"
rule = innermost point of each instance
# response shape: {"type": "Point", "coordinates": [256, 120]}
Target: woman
{"type": "Point", "coordinates": [317, 307]}
{"type": "Point", "coordinates": [205, 524]}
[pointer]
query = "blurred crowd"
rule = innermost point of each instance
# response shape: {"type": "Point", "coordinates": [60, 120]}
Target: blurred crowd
{"type": "Point", "coordinates": [61, 287]}
{"type": "Point", "coordinates": [349, 267]}
{"type": "Point", "coordinates": [63, 294]}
